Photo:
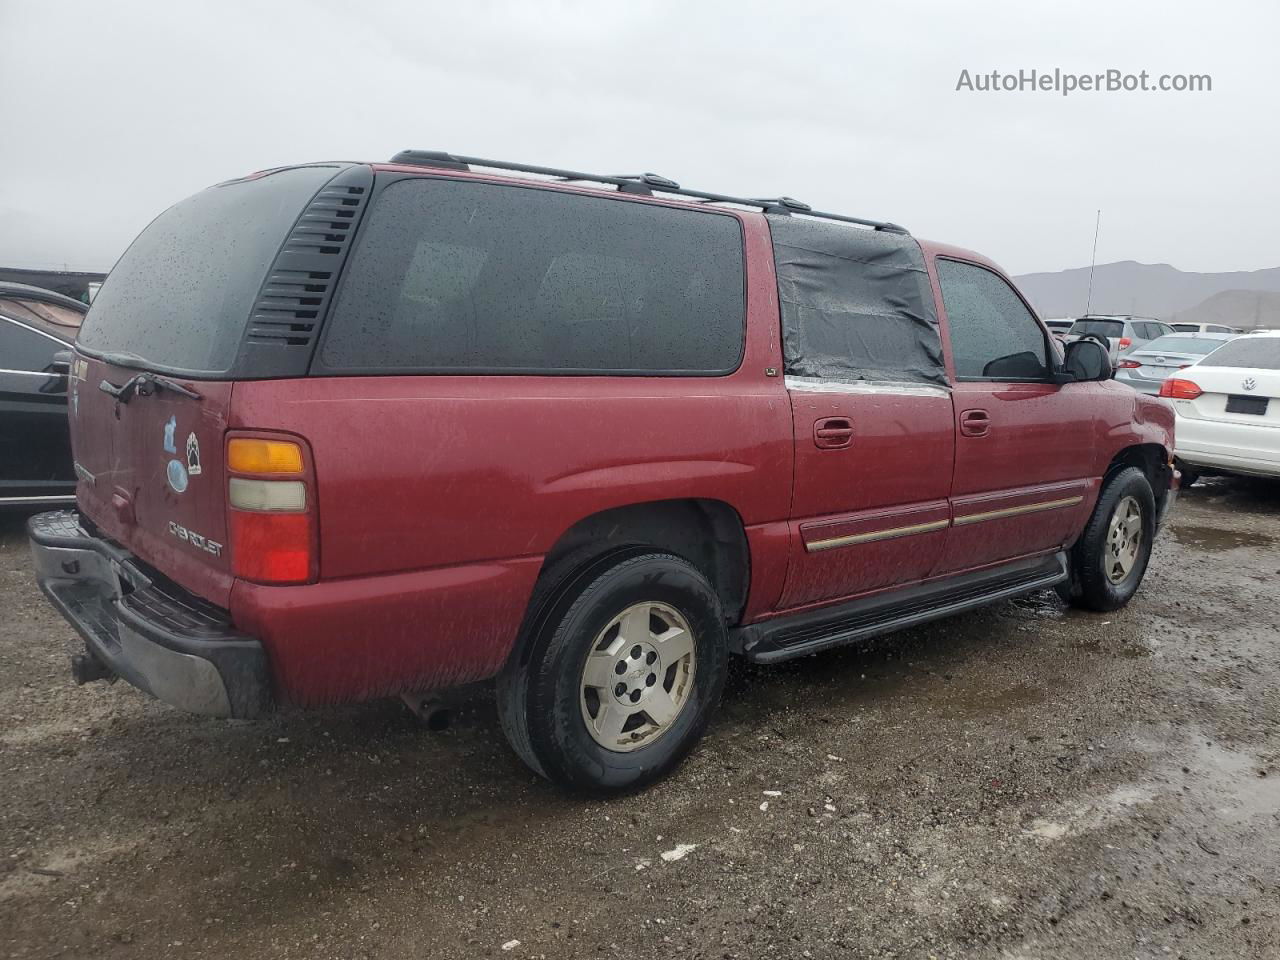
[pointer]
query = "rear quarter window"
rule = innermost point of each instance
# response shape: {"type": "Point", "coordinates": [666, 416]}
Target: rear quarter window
{"type": "Point", "coordinates": [470, 277]}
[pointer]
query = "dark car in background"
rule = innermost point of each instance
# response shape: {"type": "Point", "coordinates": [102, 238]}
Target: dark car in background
{"type": "Point", "coordinates": [37, 328]}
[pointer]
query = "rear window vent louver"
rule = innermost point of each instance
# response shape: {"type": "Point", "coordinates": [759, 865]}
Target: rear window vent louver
{"type": "Point", "coordinates": [296, 294]}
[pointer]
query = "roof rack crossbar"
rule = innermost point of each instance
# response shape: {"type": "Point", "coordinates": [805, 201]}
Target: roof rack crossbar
{"type": "Point", "coordinates": [645, 183]}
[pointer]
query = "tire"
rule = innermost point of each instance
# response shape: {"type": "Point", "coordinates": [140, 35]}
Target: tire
{"type": "Point", "coordinates": [638, 721]}
{"type": "Point", "coordinates": [1110, 559]}
{"type": "Point", "coordinates": [1189, 475]}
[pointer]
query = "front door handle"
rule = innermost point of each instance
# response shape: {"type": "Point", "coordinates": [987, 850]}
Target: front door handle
{"type": "Point", "coordinates": [975, 423]}
{"type": "Point", "coordinates": [832, 433]}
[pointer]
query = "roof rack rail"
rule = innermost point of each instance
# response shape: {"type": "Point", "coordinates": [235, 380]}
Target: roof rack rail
{"type": "Point", "coordinates": [644, 183]}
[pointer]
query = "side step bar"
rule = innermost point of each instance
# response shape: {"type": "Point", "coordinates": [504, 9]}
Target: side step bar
{"type": "Point", "coordinates": [799, 635]}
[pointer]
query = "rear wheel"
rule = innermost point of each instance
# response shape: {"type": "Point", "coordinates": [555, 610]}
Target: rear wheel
{"type": "Point", "coordinates": [623, 678]}
{"type": "Point", "coordinates": [1110, 558]}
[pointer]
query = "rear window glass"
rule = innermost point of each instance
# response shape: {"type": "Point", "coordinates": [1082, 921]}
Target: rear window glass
{"type": "Point", "coordinates": [1104, 328]}
{"type": "Point", "coordinates": [1260, 353]}
{"type": "Point", "coordinates": [180, 297]}
{"type": "Point", "coordinates": [451, 276]}
{"type": "Point", "coordinates": [1176, 344]}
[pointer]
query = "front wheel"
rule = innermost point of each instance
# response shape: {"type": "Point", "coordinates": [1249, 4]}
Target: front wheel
{"type": "Point", "coordinates": [623, 679]}
{"type": "Point", "coordinates": [1110, 559]}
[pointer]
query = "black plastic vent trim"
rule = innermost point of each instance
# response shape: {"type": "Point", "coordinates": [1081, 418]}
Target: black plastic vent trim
{"type": "Point", "coordinates": [290, 309]}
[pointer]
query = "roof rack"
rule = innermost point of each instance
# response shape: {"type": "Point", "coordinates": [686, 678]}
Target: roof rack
{"type": "Point", "coordinates": [641, 183]}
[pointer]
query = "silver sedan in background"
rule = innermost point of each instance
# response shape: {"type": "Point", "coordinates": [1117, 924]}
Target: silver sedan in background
{"type": "Point", "coordinates": [1147, 367]}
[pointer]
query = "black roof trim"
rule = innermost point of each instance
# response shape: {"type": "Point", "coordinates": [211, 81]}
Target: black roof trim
{"type": "Point", "coordinates": [645, 183]}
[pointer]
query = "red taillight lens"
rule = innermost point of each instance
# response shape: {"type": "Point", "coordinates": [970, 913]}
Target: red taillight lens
{"type": "Point", "coordinates": [1128, 364]}
{"type": "Point", "coordinates": [271, 509]}
{"type": "Point", "coordinates": [271, 547]}
{"type": "Point", "coordinates": [1176, 389]}
{"type": "Point", "coordinates": [1125, 342]}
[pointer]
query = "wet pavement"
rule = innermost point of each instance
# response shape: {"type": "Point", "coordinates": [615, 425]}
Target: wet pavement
{"type": "Point", "coordinates": [1024, 781]}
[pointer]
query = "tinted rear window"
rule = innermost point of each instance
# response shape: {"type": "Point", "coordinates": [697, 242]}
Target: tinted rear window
{"type": "Point", "coordinates": [1260, 353]}
{"type": "Point", "coordinates": [181, 295]}
{"type": "Point", "coordinates": [450, 276]}
{"type": "Point", "coordinates": [1104, 328]}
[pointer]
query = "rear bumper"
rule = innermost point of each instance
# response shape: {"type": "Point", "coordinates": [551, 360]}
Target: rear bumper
{"type": "Point", "coordinates": [145, 629]}
{"type": "Point", "coordinates": [1234, 447]}
{"type": "Point", "coordinates": [1141, 384]}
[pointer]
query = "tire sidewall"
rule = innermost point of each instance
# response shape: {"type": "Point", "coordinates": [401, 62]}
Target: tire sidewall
{"type": "Point", "coordinates": [557, 729]}
{"type": "Point", "coordinates": [1097, 589]}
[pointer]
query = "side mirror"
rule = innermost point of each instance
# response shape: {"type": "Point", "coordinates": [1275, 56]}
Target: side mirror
{"type": "Point", "coordinates": [1087, 360]}
{"type": "Point", "coordinates": [60, 362]}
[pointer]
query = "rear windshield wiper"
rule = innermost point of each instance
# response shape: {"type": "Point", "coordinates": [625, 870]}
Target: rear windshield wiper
{"type": "Point", "coordinates": [144, 384]}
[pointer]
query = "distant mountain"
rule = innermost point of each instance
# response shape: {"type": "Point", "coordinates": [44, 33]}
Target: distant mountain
{"type": "Point", "coordinates": [1245, 309]}
{"type": "Point", "coordinates": [1152, 289]}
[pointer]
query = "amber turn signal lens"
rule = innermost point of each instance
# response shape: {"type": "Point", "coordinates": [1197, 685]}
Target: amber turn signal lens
{"type": "Point", "coordinates": [248, 455]}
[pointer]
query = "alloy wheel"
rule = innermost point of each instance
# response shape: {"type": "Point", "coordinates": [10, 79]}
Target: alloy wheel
{"type": "Point", "coordinates": [638, 677]}
{"type": "Point", "coordinates": [1124, 540]}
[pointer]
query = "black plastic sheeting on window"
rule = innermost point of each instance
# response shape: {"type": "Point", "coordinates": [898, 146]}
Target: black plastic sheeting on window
{"type": "Point", "coordinates": [856, 304]}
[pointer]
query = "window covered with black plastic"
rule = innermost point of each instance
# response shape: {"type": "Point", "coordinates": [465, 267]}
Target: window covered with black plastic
{"type": "Point", "coordinates": [856, 304]}
{"type": "Point", "coordinates": [455, 276]}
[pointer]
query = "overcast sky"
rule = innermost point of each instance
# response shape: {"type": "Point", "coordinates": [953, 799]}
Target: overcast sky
{"type": "Point", "coordinates": [110, 111]}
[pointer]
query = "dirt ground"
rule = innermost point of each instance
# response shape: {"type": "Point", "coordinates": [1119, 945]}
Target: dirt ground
{"type": "Point", "coordinates": [1021, 782]}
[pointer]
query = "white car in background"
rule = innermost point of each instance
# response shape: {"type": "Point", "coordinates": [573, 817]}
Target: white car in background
{"type": "Point", "coordinates": [1228, 409]}
{"type": "Point", "coordinates": [1204, 328]}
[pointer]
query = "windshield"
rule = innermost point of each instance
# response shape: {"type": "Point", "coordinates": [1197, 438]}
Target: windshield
{"type": "Point", "coordinates": [1104, 328]}
{"type": "Point", "coordinates": [1258, 353]}
{"type": "Point", "coordinates": [182, 293]}
{"type": "Point", "coordinates": [1176, 344]}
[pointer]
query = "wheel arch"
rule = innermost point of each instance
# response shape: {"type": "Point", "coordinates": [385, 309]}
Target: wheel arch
{"type": "Point", "coordinates": [1153, 460]}
{"type": "Point", "coordinates": [708, 533]}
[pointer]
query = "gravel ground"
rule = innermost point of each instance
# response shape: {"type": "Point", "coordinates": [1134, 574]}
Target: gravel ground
{"type": "Point", "coordinates": [1024, 782]}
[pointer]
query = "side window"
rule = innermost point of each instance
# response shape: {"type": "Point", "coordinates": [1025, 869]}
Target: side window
{"type": "Point", "coordinates": [993, 334]}
{"type": "Point", "coordinates": [450, 276]}
{"type": "Point", "coordinates": [20, 349]}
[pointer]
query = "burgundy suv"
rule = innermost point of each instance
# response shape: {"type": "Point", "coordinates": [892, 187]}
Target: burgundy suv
{"type": "Point", "coordinates": [346, 431]}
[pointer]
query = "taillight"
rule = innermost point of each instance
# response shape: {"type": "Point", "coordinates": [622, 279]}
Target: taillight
{"type": "Point", "coordinates": [1125, 342]}
{"type": "Point", "coordinates": [1128, 364]}
{"type": "Point", "coordinates": [1176, 389]}
{"type": "Point", "coordinates": [272, 511]}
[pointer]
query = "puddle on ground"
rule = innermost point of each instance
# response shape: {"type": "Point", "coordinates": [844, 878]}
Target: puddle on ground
{"type": "Point", "coordinates": [1214, 538]}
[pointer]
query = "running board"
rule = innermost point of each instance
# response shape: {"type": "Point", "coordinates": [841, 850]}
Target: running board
{"type": "Point", "coordinates": [801, 634]}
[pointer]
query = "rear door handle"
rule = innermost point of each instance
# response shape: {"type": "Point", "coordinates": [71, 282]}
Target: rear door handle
{"type": "Point", "coordinates": [975, 423]}
{"type": "Point", "coordinates": [832, 433]}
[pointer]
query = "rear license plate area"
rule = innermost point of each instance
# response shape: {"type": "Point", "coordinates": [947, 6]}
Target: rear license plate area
{"type": "Point", "coordinates": [1254, 405]}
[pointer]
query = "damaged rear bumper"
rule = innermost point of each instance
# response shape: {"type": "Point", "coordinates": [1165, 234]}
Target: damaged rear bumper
{"type": "Point", "coordinates": [139, 626]}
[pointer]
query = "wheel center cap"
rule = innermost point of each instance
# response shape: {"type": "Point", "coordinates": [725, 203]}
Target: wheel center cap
{"type": "Point", "coordinates": [639, 667]}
